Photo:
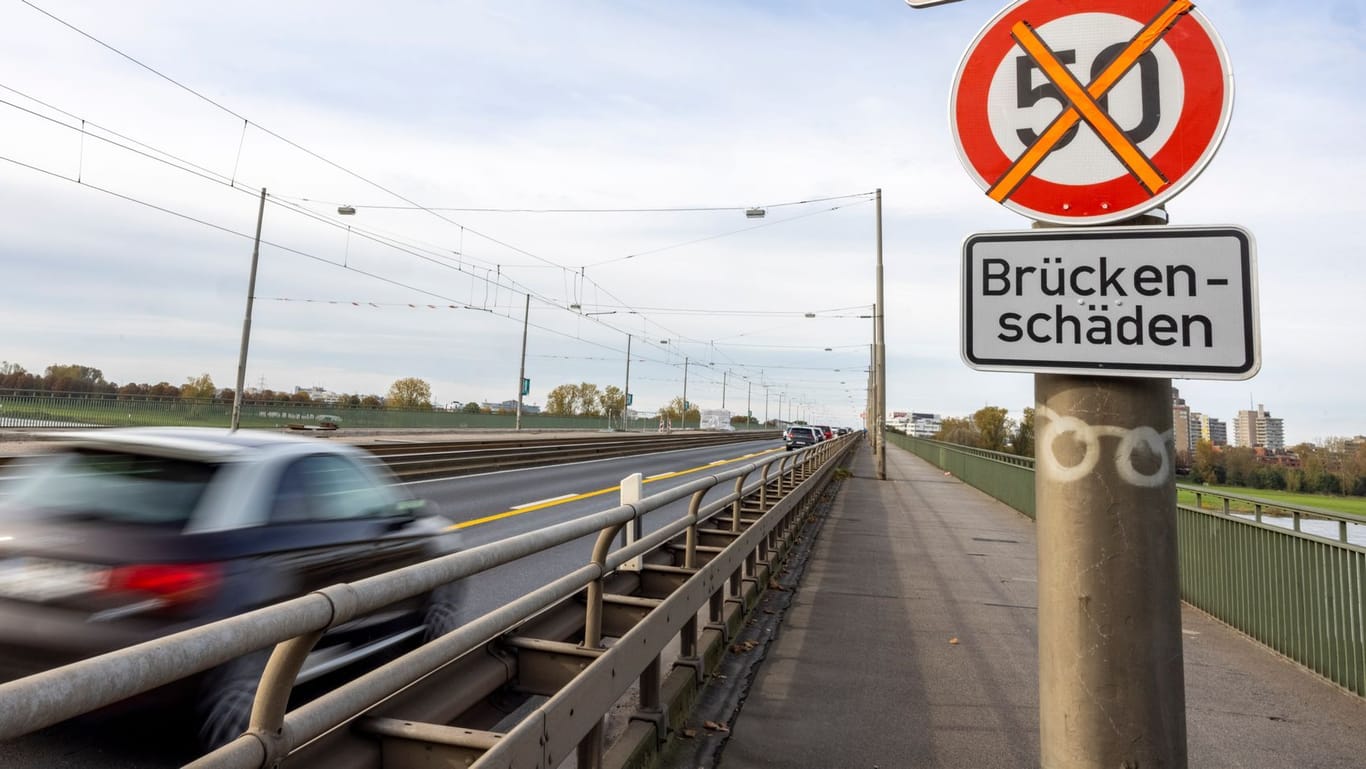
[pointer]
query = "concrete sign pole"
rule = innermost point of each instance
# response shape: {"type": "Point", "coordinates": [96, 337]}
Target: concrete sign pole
{"type": "Point", "coordinates": [1111, 684]}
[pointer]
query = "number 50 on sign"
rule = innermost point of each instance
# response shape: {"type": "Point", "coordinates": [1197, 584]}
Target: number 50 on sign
{"type": "Point", "coordinates": [1091, 111]}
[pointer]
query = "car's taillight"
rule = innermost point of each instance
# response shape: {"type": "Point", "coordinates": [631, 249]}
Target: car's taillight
{"type": "Point", "coordinates": [171, 582]}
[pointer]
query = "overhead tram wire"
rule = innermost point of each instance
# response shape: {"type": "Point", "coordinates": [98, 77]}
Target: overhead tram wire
{"type": "Point", "coordinates": [315, 155]}
{"type": "Point", "coordinates": [148, 151]}
{"type": "Point", "coordinates": [325, 160]}
{"type": "Point", "coordinates": [740, 231]}
{"type": "Point", "coordinates": [667, 210]}
{"type": "Point", "coordinates": [289, 249]}
{"type": "Point", "coordinates": [178, 163]}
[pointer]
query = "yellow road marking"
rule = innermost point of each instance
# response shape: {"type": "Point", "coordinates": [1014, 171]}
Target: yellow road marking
{"type": "Point", "coordinates": [541, 502]}
{"type": "Point", "coordinates": [586, 495]}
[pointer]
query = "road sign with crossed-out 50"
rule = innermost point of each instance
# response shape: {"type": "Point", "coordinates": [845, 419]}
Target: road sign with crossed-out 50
{"type": "Point", "coordinates": [1091, 112]}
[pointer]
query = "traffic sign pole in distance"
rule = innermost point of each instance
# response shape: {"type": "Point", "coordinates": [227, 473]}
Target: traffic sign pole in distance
{"type": "Point", "coordinates": [1091, 111]}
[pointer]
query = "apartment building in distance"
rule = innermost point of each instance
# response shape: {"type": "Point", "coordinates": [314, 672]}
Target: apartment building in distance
{"type": "Point", "coordinates": [1206, 428]}
{"type": "Point", "coordinates": [925, 425]}
{"type": "Point", "coordinates": [1258, 429]}
{"type": "Point", "coordinates": [1181, 423]}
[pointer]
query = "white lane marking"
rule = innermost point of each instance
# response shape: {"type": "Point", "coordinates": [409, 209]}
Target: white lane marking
{"type": "Point", "coordinates": [718, 462]}
{"type": "Point", "coordinates": [546, 501]}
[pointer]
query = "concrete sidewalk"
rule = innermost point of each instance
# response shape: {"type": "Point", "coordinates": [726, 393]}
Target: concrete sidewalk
{"type": "Point", "coordinates": [911, 642]}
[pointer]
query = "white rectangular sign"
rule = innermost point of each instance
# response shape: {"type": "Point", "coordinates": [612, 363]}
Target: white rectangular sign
{"type": "Point", "coordinates": [1124, 301]}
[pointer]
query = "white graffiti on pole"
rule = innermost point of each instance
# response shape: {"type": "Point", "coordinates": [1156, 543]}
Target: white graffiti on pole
{"type": "Point", "coordinates": [1130, 439]}
{"type": "Point", "coordinates": [1136, 301]}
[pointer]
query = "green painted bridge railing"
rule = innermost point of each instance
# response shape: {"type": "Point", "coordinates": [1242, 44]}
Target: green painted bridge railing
{"type": "Point", "coordinates": [1301, 594]}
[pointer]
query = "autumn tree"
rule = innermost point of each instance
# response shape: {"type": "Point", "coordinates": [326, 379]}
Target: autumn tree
{"type": "Point", "coordinates": [163, 390]}
{"type": "Point", "coordinates": [409, 393]}
{"type": "Point", "coordinates": [959, 430]}
{"type": "Point", "coordinates": [563, 401]}
{"type": "Point", "coordinates": [1207, 465]}
{"type": "Point", "coordinates": [674, 411]}
{"type": "Point", "coordinates": [199, 388]}
{"type": "Point", "coordinates": [589, 400]}
{"type": "Point", "coordinates": [993, 427]}
{"type": "Point", "coordinates": [75, 378]}
{"type": "Point", "coordinates": [14, 377]}
{"type": "Point", "coordinates": [611, 400]}
{"type": "Point", "coordinates": [1022, 441]}
{"type": "Point", "coordinates": [1240, 462]}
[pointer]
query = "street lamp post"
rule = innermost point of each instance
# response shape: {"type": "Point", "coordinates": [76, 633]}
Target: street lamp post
{"type": "Point", "coordinates": [880, 356]}
{"type": "Point", "coordinates": [246, 320]}
{"type": "Point", "coordinates": [683, 415]}
{"type": "Point", "coordinates": [521, 372]}
{"type": "Point", "coordinates": [626, 393]}
{"type": "Point", "coordinates": [749, 398]}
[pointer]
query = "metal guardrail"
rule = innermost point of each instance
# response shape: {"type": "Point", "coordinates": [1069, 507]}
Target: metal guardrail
{"type": "Point", "coordinates": [435, 459]}
{"type": "Point", "coordinates": [1301, 594]}
{"type": "Point", "coordinates": [41, 410]}
{"type": "Point", "coordinates": [426, 460]}
{"type": "Point", "coordinates": [718, 556]}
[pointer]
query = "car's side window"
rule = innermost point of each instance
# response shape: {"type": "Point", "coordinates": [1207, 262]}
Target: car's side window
{"type": "Point", "coordinates": [328, 487]}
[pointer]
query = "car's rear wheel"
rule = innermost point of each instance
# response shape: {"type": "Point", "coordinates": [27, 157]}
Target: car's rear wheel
{"type": "Point", "coordinates": [442, 613]}
{"type": "Point", "coordinates": [223, 707]}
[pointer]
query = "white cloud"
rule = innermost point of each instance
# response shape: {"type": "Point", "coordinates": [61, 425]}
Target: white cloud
{"type": "Point", "coordinates": [607, 105]}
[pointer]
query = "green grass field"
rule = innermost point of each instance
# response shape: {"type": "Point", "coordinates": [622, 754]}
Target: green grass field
{"type": "Point", "coordinates": [1343, 505]}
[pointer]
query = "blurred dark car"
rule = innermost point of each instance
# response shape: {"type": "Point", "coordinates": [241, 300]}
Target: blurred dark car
{"type": "Point", "coordinates": [122, 536]}
{"type": "Point", "coordinates": [797, 436]}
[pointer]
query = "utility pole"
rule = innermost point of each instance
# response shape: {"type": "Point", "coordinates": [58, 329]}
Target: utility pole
{"type": "Point", "coordinates": [626, 393]}
{"type": "Point", "coordinates": [723, 388]}
{"type": "Point", "coordinates": [880, 364]}
{"type": "Point", "coordinates": [521, 372]}
{"type": "Point", "coordinates": [246, 320]}
{"type": "Point", "coordinates": [749, 398]}
{"type": "Point", "coordinates": [683, 417]}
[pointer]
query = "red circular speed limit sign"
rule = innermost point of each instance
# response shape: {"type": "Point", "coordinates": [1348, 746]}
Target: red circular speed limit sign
{"type": "Point", "coordinates": [1091, 111]}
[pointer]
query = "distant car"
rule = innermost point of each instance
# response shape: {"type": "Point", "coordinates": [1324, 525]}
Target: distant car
{"type": "Point", "coordinates": [826, 432]}
{"type": "Point", "coordinates": [122, 536]}
{"type": "Point", "coordinates": [797, 436]}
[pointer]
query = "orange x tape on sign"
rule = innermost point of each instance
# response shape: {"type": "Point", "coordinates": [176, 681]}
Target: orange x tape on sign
{"type": "Point", "coordinates": [1091, 112]}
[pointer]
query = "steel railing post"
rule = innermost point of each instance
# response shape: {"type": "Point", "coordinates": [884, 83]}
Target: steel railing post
{"type": "Point", "coordinates": [632, 491]}
{"type": "Point", "coordinates": [735, 506]}
{"type": "Point", "coordinates": [690, 549]}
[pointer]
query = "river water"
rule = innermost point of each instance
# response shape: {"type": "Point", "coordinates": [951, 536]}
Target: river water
{"type": "Point", "coordinates": [1356, 532]}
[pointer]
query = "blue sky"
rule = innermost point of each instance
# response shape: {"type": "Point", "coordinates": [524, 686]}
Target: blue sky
{"type": "Point", "coordinates": [605, 105]}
